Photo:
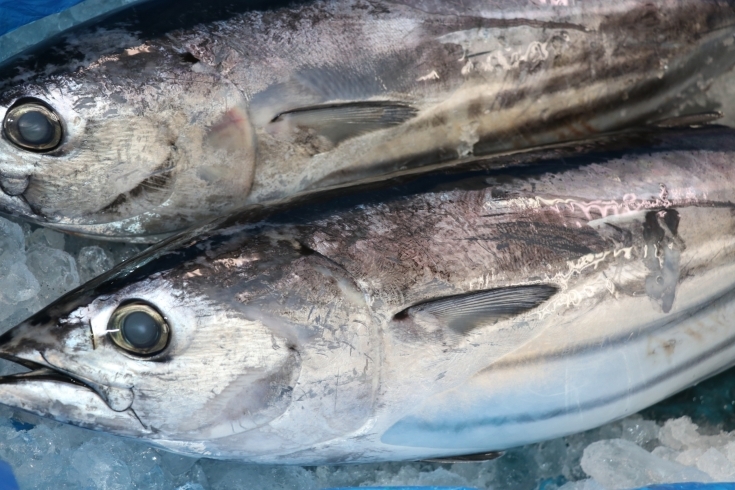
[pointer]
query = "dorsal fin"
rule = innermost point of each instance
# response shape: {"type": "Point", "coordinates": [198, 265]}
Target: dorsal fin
{"type": "Point", "coordinates": [340, 121]}
{"type": "Point", "coordinates": [463, 312]}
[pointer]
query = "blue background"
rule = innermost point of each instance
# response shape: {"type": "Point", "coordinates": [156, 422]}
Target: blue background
{"type": "Point", "coordinates": [15, 13]}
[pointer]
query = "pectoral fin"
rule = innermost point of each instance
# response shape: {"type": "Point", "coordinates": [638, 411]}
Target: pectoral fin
{"type": "Point", "coordinates": [461, 313]}
{"type": "Point", "coordinates": [341, 121]}
{"type": "Point", "coordinates": [467, 458]}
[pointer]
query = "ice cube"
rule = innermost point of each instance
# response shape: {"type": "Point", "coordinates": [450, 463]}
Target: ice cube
{"type": "Point", "coordinates": [639, 431]}
{"type": "Point", "coordinates": [589, 484]}
{"type": "Point", "coordinates": [55, 270]}
{"type": "Point", "coordinates": [679, 433]}
{"type": "Point", "coordinates": [716, 464]}
{"type": "Point", "coordinates": [190, 486]}
{"type": "Point", "coordinates": [100, 464]}
{"type": "Point", "coordinates": [93, 261]}
{"type": "Point", "coordinates": [11, 237]}
{"type": "Point", "coordinates": [620, 464]}
{"type": "Point", "coordinates": [46, 238]}
{"type": "Point", "coordinates": [17, 283]}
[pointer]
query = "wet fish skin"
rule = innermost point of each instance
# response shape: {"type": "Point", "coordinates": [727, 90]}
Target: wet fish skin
{"type": "Point", "coordinates": [166, 131]}
{"type": "Point", "coordinates": [496, 309]}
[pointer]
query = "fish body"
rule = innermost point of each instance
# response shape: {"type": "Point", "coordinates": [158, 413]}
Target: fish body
{"type": "Point", "coordinates": [447, 315]}
{"type": "Point", "coordinates": [129, 131]}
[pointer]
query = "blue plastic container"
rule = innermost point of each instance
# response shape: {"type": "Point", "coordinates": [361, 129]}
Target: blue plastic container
{"type": "Point", "coordinates": [691, 486]}
{"type": "Point", "coordinates": [16, 14]}
{"type": "Point", "coordinates": [7, 480]}
{"type": "Point", "coordinates": [405, 488]}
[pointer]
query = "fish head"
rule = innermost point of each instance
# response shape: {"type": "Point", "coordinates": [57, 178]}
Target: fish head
{"type": "Point", "coordinates": [237, 345]}
{"type": "Point", "coordinates": [139, 137]}
{"type": "Point", "coordinates": [151, 360]}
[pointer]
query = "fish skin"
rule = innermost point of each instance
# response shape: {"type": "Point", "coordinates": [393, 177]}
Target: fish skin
{"type": "Point", "coordinates": [325, 333]}
{"type": "Point", "coordinates": [167, 128]}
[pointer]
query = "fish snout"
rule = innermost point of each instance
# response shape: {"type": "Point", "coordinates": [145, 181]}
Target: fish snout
{"type": "Point", "coordinates": [54, 357]}
{"type": "Point", "coordinates": [50, 388]}
{"type": "Point", "coordinates": [37, 345]}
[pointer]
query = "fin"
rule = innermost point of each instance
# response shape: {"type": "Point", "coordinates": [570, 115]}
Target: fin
{"type": "Point", "coordinates": [690, 120]}
{"type": "Point", "coordinates": [338, 122]}
{"type": "Point", "coordinates": [464, 312]}
{"type": "Point", "coordinates": [664, 261]}
{"type": "Point", "coordinates": [468, 458]}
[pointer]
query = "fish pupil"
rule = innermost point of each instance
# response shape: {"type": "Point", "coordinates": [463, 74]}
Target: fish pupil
{"type": "Point", "coordinates": [141, 330]}
{"type": "Point", "coordinates": [35, 128]}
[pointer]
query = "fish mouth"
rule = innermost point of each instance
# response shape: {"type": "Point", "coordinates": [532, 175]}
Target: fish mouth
{"type": "Point", "coordinates": [53, 393]}
{"type": "Point", "coordinates": [17, 205]}
{"type": "Point", "coordinates": [118, 399]}
{"type": "Point", "coordinates": [38, 372]}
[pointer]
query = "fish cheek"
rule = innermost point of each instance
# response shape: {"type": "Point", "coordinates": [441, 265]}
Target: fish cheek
{"type": "Point", "coordinates": [252, 400]}
{"type": "Point", "coordinates": [222, 375]}
{"type": "Point", "coordinates": [106, 176]}
{"type": "Point", "coordinates": [215, 166]}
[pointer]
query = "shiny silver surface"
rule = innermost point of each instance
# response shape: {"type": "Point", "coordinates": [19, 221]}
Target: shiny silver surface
{"type": "Point", "coordinates": [163, 132]}
{"type": "Point", "coordinates": [448, 315]}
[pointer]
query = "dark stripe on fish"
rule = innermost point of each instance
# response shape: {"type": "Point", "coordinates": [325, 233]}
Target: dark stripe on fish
{"type": "Point", "coordinates": [595, 346]}
{"type": "Point", "coordinates": [586, 406]}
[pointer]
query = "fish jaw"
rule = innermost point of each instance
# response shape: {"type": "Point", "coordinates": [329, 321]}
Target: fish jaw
{"type": "Point", "coordinates": [49, 391]}
{"type": "Point", "coordinates": [69, 403]}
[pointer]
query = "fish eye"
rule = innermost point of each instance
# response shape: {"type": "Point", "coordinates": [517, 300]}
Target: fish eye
{"type": "Point", "coordinates": [33, 126]}
{"type": "Point", "coordinates": [138, 328]}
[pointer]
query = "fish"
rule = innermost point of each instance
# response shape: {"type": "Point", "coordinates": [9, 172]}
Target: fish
{"type": "Point", "coordinates": [163, 116]}
{"type": "Point", "coordinates": [429, 317]}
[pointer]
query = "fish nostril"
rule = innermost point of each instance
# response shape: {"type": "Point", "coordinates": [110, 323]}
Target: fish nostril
{"type": "Point", "coordinates": [14, 186]}
{"type": "Point", "coordinates": [6, 337]}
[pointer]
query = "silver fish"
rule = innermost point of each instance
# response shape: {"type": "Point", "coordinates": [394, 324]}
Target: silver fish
{"type": "Point", "coordinates": [415, 322]}
{"type": "Point", "coordinates": [130, 132]}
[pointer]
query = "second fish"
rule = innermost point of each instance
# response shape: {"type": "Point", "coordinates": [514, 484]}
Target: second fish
{"type": "Point", "coordinates": [167, 115]}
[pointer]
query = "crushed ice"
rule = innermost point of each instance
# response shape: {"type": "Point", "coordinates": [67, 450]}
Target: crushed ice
{"type": "Point", "coordinates": [37, 265]}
